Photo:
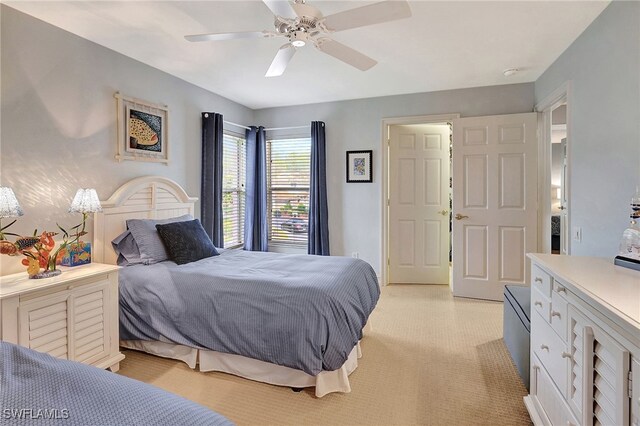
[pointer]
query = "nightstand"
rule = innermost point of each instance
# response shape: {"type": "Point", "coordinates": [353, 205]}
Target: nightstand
{"type": "Point", "coordinates": [72, 316]}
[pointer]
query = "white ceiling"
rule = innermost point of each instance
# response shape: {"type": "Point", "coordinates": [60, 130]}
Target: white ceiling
{"type": "Point", "coordinates": [444, 45]}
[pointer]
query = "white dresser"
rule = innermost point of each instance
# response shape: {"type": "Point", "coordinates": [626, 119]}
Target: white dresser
{"type": "Point", "coordinates": [73, 315]}
{"type": "Point", "coordinates": [585, 342]}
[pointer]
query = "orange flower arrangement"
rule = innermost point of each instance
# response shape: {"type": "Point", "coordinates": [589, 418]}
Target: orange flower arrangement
{"type": "Point", "coordinates": [39, 251]}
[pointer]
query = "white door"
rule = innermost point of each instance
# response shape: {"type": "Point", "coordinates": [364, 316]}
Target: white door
{"type": "Point", "coordinates": [419, 204]}
{"type": "Point", "coordinates": [494, 202]}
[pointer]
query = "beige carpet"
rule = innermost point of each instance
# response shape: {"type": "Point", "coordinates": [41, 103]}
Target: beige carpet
{"type": "Point", "coordinates": [431, 359]}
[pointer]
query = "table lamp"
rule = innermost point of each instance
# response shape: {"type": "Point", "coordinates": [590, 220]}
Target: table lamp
{"type": "Point", "coordinates": [9, 207]}
{"type": "Point", "coordinates": [86, 201]}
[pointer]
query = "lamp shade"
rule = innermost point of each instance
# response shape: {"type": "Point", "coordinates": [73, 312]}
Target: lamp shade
{"type": "Point", "coordinates": [9, 206]}
{"type": "Point", "coordinates": [85, 201]}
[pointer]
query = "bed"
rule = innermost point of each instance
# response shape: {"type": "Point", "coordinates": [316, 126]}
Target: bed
{"type": "Point", "coordinates": [289, 320]}
{"type": "Point", "coordinates": [36, 388]}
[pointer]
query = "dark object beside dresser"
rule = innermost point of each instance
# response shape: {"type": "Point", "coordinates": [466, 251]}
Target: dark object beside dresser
{"type": "Point", "coordinates": [517, 327]}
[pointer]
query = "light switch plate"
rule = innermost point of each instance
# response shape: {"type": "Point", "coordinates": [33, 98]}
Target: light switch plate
{"type": "Point", "coordinates": [577, 233]}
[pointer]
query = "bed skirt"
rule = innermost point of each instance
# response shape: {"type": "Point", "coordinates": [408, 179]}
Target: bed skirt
{"type": "Point", "coordinates": [325, 382]}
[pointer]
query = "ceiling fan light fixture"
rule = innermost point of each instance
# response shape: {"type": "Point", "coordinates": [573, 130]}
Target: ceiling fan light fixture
{"type": "Point", "coordinates": [299, 38]}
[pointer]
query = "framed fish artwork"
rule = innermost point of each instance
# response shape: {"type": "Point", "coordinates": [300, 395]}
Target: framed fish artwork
{"type": "Point", "coordinates": [142, 130]}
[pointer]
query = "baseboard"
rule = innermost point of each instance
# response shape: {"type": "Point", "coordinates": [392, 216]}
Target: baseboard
{"type": "Point", "coordinates": [533, 411]}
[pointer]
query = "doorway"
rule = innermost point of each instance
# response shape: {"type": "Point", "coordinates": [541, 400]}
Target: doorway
{"type": "Point", "coordinates": [419, 206]}
{"type": "Point", "coordinates": [494, 193]}
{"type": "Point", "coordinates": [556, 233]}
{"type": "Point", "coordinates": [432, 257]}
{"type": "Point", "coordinates": [558, 201]}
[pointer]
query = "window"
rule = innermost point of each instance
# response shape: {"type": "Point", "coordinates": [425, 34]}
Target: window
{"type": "Point", "coordinates": [233, 190]}
{"type": "Point", "coordinates": [288, 169]}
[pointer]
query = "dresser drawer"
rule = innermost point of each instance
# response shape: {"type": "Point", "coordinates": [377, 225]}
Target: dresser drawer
{"type": "Point", "coordinates": [541, 280]}
{"type": "Point", "coordinates": [558, 313]}
{"type": "Point", "coordinates": [540, 304]}
{"type": "Point", "coordinates": [551, 351]}
{"type": "Point", "coordinates": [547, 395]}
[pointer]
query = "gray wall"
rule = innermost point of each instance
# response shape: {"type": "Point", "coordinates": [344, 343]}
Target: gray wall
{"type": "Point", "coordinates": [58, 130]}
{"type": "Point", "coordinates": [355, 208]}
{"type": "Point", "coordinates": [603, 65]}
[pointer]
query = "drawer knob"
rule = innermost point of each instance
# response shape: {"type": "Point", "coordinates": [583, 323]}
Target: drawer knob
{"type": "Point", "coordinates": [566, 355]}
{"type": "Point", "coordinates": [555, 314]}
{"type": "Point", "coordinates": [560, 289]}
{"type": "Point", "coordinates": [537, 303]}
{"type": "Point", "coordinates": [538, 280]}
{"type": "Point", "coordinates": [544, 347]}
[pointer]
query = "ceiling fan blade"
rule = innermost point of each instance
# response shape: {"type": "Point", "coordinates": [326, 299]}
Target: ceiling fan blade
{"type": "Point", "coordinates": [281, 60]}
{"type": "Point", "coordinates": [281, 8]}
{"type": "Point", "coordinates": [345, 54]}
{"type": "Point", "coordinates": [226, 36]}
{"type": "Point", "coordinates": [377, 13]}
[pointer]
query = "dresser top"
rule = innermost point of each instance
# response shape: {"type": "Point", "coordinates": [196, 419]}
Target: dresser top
{"type": "Point", "coordinates": [11, 285]}
{"type": "Point", "coordinates": [613, 290]}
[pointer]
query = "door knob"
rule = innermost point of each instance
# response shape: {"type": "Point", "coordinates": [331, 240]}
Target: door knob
{"type": "Point", "coordinates": [461, 216]}
{"type": "Point", "coordinates": [562, 207]}
{"type": "Point", "coordinates": [443, 212]}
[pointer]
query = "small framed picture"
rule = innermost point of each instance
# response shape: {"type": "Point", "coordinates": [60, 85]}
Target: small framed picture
{"type": "Point", "coordinates": [359, 166]}
{"type": "Point", "coordinates": [142, 130]}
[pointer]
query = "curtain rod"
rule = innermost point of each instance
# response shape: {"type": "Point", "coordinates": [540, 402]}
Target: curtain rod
{"type": "Point", "coordinates": [287, 128]}
{"type": "Point", "coordinates": [268, 129]}
{"type": "Point", "coordinates": [237, 125]}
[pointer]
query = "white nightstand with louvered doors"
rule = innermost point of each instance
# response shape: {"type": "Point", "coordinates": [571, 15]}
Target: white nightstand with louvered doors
{"type": "Point", "coordinates": [72, 316]}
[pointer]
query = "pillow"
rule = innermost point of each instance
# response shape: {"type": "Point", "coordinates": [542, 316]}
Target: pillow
{"type": "Point", "coordinates": [126, 249]}
{"type": "Point", "coordinates": [186, 241]}
{"type": "Point", "coordinates": [149, 243]}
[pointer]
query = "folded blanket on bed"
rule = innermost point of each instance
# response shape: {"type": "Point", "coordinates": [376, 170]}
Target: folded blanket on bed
{"type": "Point", "coordinates": [300, 311]}
{"type": "Point", "coordinates": [37, 389]}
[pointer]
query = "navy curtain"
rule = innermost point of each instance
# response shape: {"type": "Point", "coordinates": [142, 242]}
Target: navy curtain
{"type": "Point", "coordinates": [211, 181]}
{"type": "Point", "coordinates": [318, 210]}
{"type": "Point", "coordinates": [255, 217]}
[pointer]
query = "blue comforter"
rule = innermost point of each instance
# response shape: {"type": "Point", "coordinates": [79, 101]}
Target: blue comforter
{"type": "Point", "coordinates": [303, 312]}
{"type": "Point", "coordinates": [37, 389]}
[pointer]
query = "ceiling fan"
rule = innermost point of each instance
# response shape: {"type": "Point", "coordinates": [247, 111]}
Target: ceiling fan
{"type": "Point", "coordinates": [301, 23]}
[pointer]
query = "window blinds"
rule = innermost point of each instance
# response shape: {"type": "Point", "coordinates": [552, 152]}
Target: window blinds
{"type": "Point", "coordinates": [288, 169]}
{"type": "Point", "coordinates": [233, 190]}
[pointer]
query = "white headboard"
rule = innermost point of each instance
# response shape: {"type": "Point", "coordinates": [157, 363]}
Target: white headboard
{"type": "Point", "coordinates": [147, 197]}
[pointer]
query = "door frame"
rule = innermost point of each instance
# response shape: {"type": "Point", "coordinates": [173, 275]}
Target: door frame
{"type": "Point", "coordinates": [384, 151]}
{"type": "Point", "coordinates": [562, 94]}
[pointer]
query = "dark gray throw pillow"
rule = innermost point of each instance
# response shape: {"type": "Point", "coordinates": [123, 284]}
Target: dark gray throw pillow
{"type": "Point", "coordinates": [186, 241]}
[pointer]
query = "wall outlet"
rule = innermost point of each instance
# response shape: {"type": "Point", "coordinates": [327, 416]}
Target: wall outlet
{"type": "Point", "coordinates": [577, 233]}
{"type": "Point", "coordinates": [355, 255]}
